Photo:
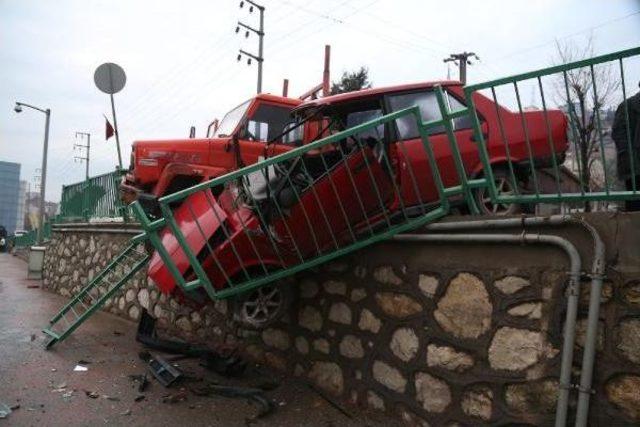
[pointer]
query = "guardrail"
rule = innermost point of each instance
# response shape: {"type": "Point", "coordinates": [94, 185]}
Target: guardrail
{"type": "Point", "coordinates": [299, 209]}
{"type": "Point", "coordinates": [96, 197]}
{"type": "Point", "coordinates": [588, 91]}
{"type": "Point", "coordinates": [346, 191]}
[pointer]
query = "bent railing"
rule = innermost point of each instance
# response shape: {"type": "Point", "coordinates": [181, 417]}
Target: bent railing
{"type": "Point", "coordinates": [301, 208]}
{"type": "Point", "coordinates": [588, 91]}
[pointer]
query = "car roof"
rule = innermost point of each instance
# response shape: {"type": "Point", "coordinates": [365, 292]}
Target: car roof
{"type": "Point", "coordinates": [278, 99]}
{"type": "Point", "coordinates": [370, 93]}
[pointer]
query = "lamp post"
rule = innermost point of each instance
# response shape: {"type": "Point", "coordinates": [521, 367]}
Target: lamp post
{"type": "Point", "coordinates": [43, 183]}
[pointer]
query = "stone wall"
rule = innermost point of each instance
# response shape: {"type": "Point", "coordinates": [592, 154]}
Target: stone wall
{"type": "Point", "coordinates": [439, 334]}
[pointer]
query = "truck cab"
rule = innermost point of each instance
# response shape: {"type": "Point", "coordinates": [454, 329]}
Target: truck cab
{"type": "Point", "coordinates": [160, 167]}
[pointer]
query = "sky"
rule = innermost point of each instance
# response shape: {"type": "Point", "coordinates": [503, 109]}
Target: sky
{"type": "Point", "coordinates": [181, 66]}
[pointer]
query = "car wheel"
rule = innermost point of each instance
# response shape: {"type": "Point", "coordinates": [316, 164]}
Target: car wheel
{"type": "Point", "coordinates": [261, 307]}
{"type": "Point", "coordinates": [504, 185]}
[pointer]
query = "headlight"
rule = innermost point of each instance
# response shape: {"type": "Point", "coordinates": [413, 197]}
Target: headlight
{"type": "Point", "coordinates": [2, 242]}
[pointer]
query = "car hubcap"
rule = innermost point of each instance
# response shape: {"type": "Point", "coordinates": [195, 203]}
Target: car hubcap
{"type": "Point", "coordinates": [262, 305]}
{"type": "Point", "coordinates": [504, 188]}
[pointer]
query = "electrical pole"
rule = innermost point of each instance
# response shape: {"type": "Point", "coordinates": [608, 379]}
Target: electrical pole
{"type": "Point", "coordinates": [260, 32]}
{"type": "Point", "coordinates": [86, 147]}
{"type": "Point", "coordinates": [462, 60]}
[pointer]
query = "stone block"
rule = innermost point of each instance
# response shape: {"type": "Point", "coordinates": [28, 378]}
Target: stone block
{"type": "Point", "coordinates": [511, 284]}
{"type": "Point", "coordinates": [514, 349]}
{"type": "Point", "coordinates": [433, 393]}
{"type": "Point", "coordinates": [448, 358]}
{"type": "Point", "coordinates": [465, 310]}
{"type": "Point", "coordinates": [428, 285]}
{"type": "Point", "coordinates": [368, 321]}
{"type": "Point", "coordinates": [404, 344]}
{"type": "Point", "coordinates": [389, 376]}
{"type": "Point", "coordinates": [310, 318]}
{"type": "Point", "coordinates": [386, 276]}
{"type": "Point", "coordinates": [328, 376]}
{"type": "Point", "coordinates": [628, 339]}
{"type": "Point", "coordinates": [397, 305]}
{"type": "Point", "coordinates": [276, 338]}
{"type": "Point", "coordinates": [623, 392]}
{"type": "Point", "coordinates": [351, 347]}
{"type": "Point", "coordinates": [340, 313]}
{"type": "Point", "coordinates": [478, 403]}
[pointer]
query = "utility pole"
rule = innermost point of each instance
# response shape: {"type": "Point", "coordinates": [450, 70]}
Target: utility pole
{"type": "Point", "coordinates": [260, 32]}
{"type": "Point", "coordinates": [43, 170]}
{"type": "Point", "coordinates": [462, 60]}
{"type": "Point", "coordinates": [85, 147]}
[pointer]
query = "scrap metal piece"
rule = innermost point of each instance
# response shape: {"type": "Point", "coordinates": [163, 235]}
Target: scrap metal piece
{"type": "Point", "coordinates": [165, 373]}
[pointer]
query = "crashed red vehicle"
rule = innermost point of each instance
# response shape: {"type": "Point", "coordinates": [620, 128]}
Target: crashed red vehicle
{"type": "Point", "coordinates": [320, 201]}
{"type": "Point", "coordinates": [160, 167]}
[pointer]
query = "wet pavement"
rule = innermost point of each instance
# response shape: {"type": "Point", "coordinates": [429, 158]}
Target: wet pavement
{"type": "Point", "coordinates": [49, 392]}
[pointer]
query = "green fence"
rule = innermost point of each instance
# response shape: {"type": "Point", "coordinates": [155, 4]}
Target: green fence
{"type": "Point", "coordinates": [344, 192]}
{"type": "Point", "coordinates": [97, 197]}
{"type": "Point", "coordinates": [30, 238]}
{"type": "Point", "coordinates": [299, 209]}
{"type": "Point", "coordinates": [602, 161]}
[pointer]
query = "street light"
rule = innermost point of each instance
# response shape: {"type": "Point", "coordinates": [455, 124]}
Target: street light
{"type": "Point", "coordinates": [47, 112]}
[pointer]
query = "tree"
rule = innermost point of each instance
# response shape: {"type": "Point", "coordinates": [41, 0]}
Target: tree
{"type": "Point", "coordinates": [351, 81]}
{"type": "Point", "coordinates": [589, 91]}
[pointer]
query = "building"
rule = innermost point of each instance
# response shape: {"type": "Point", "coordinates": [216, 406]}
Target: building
{"type": "Point", "coordinates": [22, 205]}
{"type": "Point", "coordinates": [9, 195]}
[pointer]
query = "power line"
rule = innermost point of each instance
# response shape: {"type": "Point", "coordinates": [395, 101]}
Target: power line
{"type": "Point", "coordinates": [585, 30]}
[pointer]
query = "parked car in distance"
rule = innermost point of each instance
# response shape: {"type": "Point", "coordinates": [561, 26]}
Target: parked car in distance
{"type": "Point", "coordinates": [3, 239]}
{"type": "Point", "coordinates": [390, 157]}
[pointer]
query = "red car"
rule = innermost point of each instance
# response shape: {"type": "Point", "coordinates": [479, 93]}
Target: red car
{"type": "Point", "coordinates": [328, 198]}
{"type": "Point", "coordinates": [165, 166]}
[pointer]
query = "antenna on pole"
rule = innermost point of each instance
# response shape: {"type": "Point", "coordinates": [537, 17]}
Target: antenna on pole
{"type": "Point", "coordinates": [462, 60]}
{"type": "Point", "coordinates": [81, 147]}
{"type": "Point", "coordinates": [260, 32]}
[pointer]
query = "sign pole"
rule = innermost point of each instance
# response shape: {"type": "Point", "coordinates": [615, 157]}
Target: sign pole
{"type": "Point", "coordinates": [115, 125]}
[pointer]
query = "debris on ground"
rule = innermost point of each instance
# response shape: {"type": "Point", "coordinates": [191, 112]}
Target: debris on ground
{"type": "Point", "coordinates": [33, 337]}
{"type": "Point", "coordinates": [139, 398]}
{"type": "Point", "coordinates": [165, 372]}
{"type": "Point", "coordinates": [92, 394]}
{"type": "Point", "coordinates": [80, 368]}
{"type": "Point", "coordinates": [117, 333]}
{"type": "Point", "coordinates": [180, 396]}
{"type": "Point", "coordinates": [142, 381]}
{"type": "Point", "coordinates": [254, 395]}
{"type": "Point", "coordinates": [5, 410]}
{"type": "Point", "coordinates": [228, 364]}
{"type": "Point", "coordinates": [127, 412]}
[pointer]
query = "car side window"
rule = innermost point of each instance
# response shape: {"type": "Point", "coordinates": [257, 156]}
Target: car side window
{"type": "Point", "coordinates": [429, 110]}
{"type": "Point", "coordinates": [459, 123]}
{"type": "Point", "coordinates": [267, 122]}
{"type": "Point", "coordinates": [359, 117]}
{"type": "Point", "coordinates": [293, 134]}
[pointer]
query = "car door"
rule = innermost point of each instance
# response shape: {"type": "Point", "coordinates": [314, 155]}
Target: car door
{"type": "Point", "coordinates": [336, 195]}
{"type": "Point", "coordinates": [415, 174]}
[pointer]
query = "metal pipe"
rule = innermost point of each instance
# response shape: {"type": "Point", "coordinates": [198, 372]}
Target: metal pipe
{"type": "Point", "coordinates": [597, 272]}
{"type": "Point", "coordinates": [588, 355]}
{"type": "Point", "coordinates": [572, 298]}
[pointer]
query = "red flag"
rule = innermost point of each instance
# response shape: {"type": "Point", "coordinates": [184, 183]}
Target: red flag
{"type": "Point", "coordinates": [109, 129]}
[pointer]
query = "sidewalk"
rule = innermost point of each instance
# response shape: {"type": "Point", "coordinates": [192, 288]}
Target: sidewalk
{"type": "Point", "coordinates": [49, 391]}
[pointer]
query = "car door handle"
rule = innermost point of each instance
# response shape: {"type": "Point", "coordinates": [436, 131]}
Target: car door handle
{"type": "Point", "coordinates": [485, 136]}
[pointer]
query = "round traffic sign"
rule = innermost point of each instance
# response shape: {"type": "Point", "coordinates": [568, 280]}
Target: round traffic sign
{"type": "Point", "coordinates": [110, 78]}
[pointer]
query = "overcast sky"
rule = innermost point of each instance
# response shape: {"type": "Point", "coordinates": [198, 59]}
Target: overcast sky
{"type": "Point", "coordinates": [180, 58]}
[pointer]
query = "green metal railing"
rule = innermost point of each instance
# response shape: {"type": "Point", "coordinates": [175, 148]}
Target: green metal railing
{"type": "Point", "coordinates": [300, 217]}
{"type": "Point", "coordinates": [370, 204]}
{"type": "Point", "coordinates": [96, 197]}
{"type": "Point", "coordinates": [588, 90]}
{"type": "Point", "coordinates": [30, 238]}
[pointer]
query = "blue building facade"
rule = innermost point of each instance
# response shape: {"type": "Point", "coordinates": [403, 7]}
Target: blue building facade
{"type": "Point", "coordinates": [9, 195]}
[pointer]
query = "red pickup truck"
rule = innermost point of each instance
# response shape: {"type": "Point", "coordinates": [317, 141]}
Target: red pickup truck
{"type": "Point", "coordinates": [239, 240]}
{"type": "Point", "coordinates": [166, 166]}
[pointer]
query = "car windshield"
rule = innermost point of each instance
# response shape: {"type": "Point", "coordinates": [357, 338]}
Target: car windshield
{"type": "Point", "coordinates": [231, 119]}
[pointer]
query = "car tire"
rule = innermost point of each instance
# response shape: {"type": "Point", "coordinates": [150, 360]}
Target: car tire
{"type": "Point", "coordinates": [261, 307]}
{"type": "Point", "coordinates": [504, 185]}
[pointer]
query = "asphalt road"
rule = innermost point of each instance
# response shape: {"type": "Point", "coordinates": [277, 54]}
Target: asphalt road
{"type": "Point", "coordinates": [49, 391]}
